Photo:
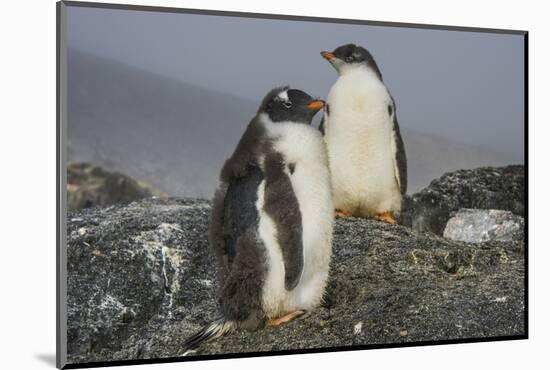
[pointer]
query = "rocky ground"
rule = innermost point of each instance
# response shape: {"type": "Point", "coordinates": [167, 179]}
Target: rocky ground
{"type": "Point", "coordinates": [140, 281]}
{"type": "Point", "coordinates": [500, 188]}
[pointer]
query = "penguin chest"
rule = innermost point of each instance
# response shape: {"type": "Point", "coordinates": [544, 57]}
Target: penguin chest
{"type": "Point", "coordinates": [358, 138]}
{"type": "Point", "coordinates": [305, 153]}
{"type": "Point", "coordinates": [363, 174]}
{"type": "Point", "coordinates": [311, 183]}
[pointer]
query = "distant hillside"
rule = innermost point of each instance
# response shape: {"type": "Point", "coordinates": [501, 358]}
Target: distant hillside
{"type": "Point", "coordinates": [167, 133]}
{"type": "Point", "coordinates": [175, 136]}
{"type": "Point", "coordinates": [431, 156]}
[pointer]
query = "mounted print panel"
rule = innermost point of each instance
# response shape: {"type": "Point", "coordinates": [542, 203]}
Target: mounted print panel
{"type": "Point", "coordinates": [237, 184]}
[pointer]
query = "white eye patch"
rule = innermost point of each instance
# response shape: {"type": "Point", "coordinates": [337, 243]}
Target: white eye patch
{"type": "Point", "coordinates": [283, 95]}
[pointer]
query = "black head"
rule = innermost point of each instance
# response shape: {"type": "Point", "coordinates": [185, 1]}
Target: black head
{"type": "Point", "coordinates": [285, 104]}
{"type": "Point", "coordinates": [346, 57]}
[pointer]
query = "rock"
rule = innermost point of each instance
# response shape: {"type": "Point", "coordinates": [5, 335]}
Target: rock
{"type": "Point", "coordinates": [141, 280]}
{"type": "Point", "coordinates": [482, 188]}
{"type": "Point", "coordinates": [90, 186]}
{"type": "Point", "coordinates": [476, 226]}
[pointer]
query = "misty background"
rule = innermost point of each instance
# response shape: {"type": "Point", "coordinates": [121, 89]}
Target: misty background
{"type": "Point", "coordinates": [165, 97]}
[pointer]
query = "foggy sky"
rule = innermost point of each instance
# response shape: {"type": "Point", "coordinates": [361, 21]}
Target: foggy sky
{"type": "Point", "coordinates": [465, 86]}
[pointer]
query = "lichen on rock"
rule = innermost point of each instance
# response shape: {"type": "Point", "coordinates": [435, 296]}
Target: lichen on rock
{"type": "Point", "coordinates": [141, 280]}
{"type": "Point", "coordinates": [481, 225]}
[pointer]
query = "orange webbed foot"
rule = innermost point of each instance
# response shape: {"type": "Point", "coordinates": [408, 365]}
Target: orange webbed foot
{"type": "Point", "coordinates": [288, 317]}
{"type": "Point", "coordinates": [340, 213]}
{"type": "Point", "coordinates": [386, 217]}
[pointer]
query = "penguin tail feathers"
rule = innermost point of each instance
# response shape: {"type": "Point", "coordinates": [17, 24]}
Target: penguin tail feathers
{"type": "Point", "coordinates": [215, 329]}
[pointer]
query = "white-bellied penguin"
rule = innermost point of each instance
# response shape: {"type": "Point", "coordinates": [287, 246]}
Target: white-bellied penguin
{"type": "Point", "coordinates": [272, 218]}
{"type": "Point", "coordinates": [366, 152]}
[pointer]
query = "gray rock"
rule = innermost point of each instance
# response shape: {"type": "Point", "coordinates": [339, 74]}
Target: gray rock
{"type": "Point", "coordinates": [92, 186]}
{"type": "Point", "coordinates": [141, 280]}
{"type": "Point", "coordinates": [482, 188]}
{"type": "Point", "coordinates": [476, 226]}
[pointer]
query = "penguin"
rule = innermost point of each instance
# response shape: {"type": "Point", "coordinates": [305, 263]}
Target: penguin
{"type": "Point", "coordinates": [366, 152]}
{"type": "Point", "coordinates": [272, 218]}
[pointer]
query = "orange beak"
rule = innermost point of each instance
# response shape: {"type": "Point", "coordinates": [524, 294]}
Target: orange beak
{"type": "Point", "coordinates": [327, 55]}
{"type": "Point", "coordinates": [316, 104]}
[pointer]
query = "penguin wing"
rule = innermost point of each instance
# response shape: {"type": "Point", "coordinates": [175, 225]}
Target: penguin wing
{"type": "Point", "coordinates": [281, 204]}
{"type": "Point", "coordinates": [322, 126]}
{"type": "Point", "coordinates": [324, 120]}
{"type": "Point", "coordinates": [399, 159]}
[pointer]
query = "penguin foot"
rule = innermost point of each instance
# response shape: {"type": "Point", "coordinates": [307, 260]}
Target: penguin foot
{"type": "Point", "coordinates": [340, 213]}
{"type": "Point", "coordinates": [288, 317]}
{"type": "Point", "coordinates": [386, 217]}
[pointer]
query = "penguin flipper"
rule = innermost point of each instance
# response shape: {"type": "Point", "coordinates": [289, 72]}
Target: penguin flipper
{"type": "Point", "coordinates": [400, 158]}
{"type": "Point", "coordinates": [324, 119]}
{"type": "Point", "coordinates": [281, 204]}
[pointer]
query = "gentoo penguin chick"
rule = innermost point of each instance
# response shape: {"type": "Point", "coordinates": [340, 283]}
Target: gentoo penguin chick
{"type": "Point", "coordinates": [272, 218]}
{"type": "Point", "coordinates": [366, 153]}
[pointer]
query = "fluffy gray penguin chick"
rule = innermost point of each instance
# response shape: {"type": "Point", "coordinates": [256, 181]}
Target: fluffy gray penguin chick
{"type": "Point", "coordinates": [272, 218]}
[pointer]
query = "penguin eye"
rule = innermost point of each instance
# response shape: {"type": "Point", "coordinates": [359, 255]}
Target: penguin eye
{"type": "Point", "coordinates": [287, 104]}
{"type": "Point", "coordinates": [349, 59]}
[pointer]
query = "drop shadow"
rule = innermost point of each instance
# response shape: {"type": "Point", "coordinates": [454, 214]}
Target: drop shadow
{"type": "Point", "coordinates": [47, 358]}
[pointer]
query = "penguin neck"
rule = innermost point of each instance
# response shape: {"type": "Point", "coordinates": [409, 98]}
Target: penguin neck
{"type": "Point", "coordinates": [356, 69]}
{"type": "Point", "coordinates": [279, 130]}
{"type": "Point", "coordinates": [361, 78]}
{"type": "Point", "coordinates": [268, 122]}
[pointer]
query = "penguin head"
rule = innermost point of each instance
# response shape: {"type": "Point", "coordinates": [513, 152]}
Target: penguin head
{"type": "Point", "coordinates": [350, 57]}
{"type": "Point", "coordinates": [284, 104]}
